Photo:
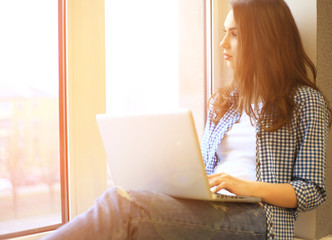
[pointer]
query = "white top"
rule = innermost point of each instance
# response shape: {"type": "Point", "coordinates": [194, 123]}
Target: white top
{"type": "Point", "coordinates": [237, 150]}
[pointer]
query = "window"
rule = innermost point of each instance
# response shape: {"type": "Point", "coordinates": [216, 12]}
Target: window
{"type": "Point", "coordinates": [143, 67]}
{"type": "Point", "coordinates": [32, 179]}
{"type": "Point", "coordinates": [146, 44]}
{"type": "Point", "coordinates": [155, 57]}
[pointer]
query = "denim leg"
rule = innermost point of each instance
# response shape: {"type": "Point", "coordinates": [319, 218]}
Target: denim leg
{"type": "Point", "coordinates": [120, 214]}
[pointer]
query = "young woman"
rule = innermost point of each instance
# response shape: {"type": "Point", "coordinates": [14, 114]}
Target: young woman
{"type": "Point", "coordinates": [289, 115]}
{"type": "Point", "coordinates": [266, 136]}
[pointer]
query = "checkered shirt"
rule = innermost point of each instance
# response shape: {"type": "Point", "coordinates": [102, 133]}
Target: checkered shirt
{"type": "Point", "coordinates": [295, 155]}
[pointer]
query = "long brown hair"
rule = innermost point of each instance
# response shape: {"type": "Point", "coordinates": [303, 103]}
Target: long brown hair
{"type": "Point", "coordinates": [270, 61]}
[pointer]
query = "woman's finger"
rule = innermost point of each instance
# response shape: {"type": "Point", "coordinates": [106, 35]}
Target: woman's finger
{"type": "Point", "coordinates": [216, 175]}
{"type": "Point", "coordinates": [214, 182]}
{"type": "Point", "coordinates": [222, 185]}
{"type": "Point", "coordinates": [213, 175]}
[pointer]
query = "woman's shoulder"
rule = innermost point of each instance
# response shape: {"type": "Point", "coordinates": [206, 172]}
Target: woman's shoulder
{"type": "Point", "coordinates": [306, 95]}
{"type": "Point", "coordinates": [312, 103]}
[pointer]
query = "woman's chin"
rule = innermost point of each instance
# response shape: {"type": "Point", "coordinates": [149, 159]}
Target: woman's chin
{"type": "Point", "coordinates": [230, 64]}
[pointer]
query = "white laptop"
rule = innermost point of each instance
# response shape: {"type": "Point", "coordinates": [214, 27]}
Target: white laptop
{"type": "Point", "coordinates": [158, 152]}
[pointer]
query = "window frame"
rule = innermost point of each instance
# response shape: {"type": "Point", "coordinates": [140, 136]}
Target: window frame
{"type": "Point", "coordinates": [208, 48]}
{"type": "Point", "coordinates": [63, 111]}
{"type": "Point", "coordinates": [86, 97]}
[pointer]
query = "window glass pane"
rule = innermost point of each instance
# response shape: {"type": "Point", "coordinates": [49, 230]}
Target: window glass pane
{"type": "Point", "coordinates": [142, 55]}
{"type": "Point", "coordinates": [29, 115]}
{"type": "Point", "coordinates": [149, 51]}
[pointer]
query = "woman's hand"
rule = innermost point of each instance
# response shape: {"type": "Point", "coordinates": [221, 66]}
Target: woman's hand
{"type": "Point", "coordinates": [230, 183]}
{"type": "Point", "coordinates": [278, 194]}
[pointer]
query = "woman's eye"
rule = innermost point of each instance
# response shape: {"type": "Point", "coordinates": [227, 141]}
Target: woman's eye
{"type": "Point", "coordinates": [232, 33]}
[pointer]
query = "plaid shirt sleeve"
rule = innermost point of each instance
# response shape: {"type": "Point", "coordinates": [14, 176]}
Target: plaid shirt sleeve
{"type": "Point", "coordinates": [295, 154]}
{"type": "Point", "coordinates": [309, 167]}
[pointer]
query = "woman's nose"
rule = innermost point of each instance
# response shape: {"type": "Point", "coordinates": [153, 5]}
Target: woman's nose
{"type": "Point", "coordinates": [224, 42]}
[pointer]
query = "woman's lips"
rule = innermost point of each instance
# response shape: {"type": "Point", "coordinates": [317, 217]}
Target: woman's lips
{"type": "Point", "coordinates": [226, 56]}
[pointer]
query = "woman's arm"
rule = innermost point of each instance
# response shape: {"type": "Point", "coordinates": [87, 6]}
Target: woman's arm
{"type": "Point", "coordinates": [280, 195]}
{"type": "Point", "coordinates": [306, 187]}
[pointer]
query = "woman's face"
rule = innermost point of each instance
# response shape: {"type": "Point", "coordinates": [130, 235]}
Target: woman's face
{"type": "Point", "coordinates": [229, 42]}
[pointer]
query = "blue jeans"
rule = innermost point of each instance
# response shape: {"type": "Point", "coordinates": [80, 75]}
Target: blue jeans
{"type": "Point", "coordinates": [120, 214]}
